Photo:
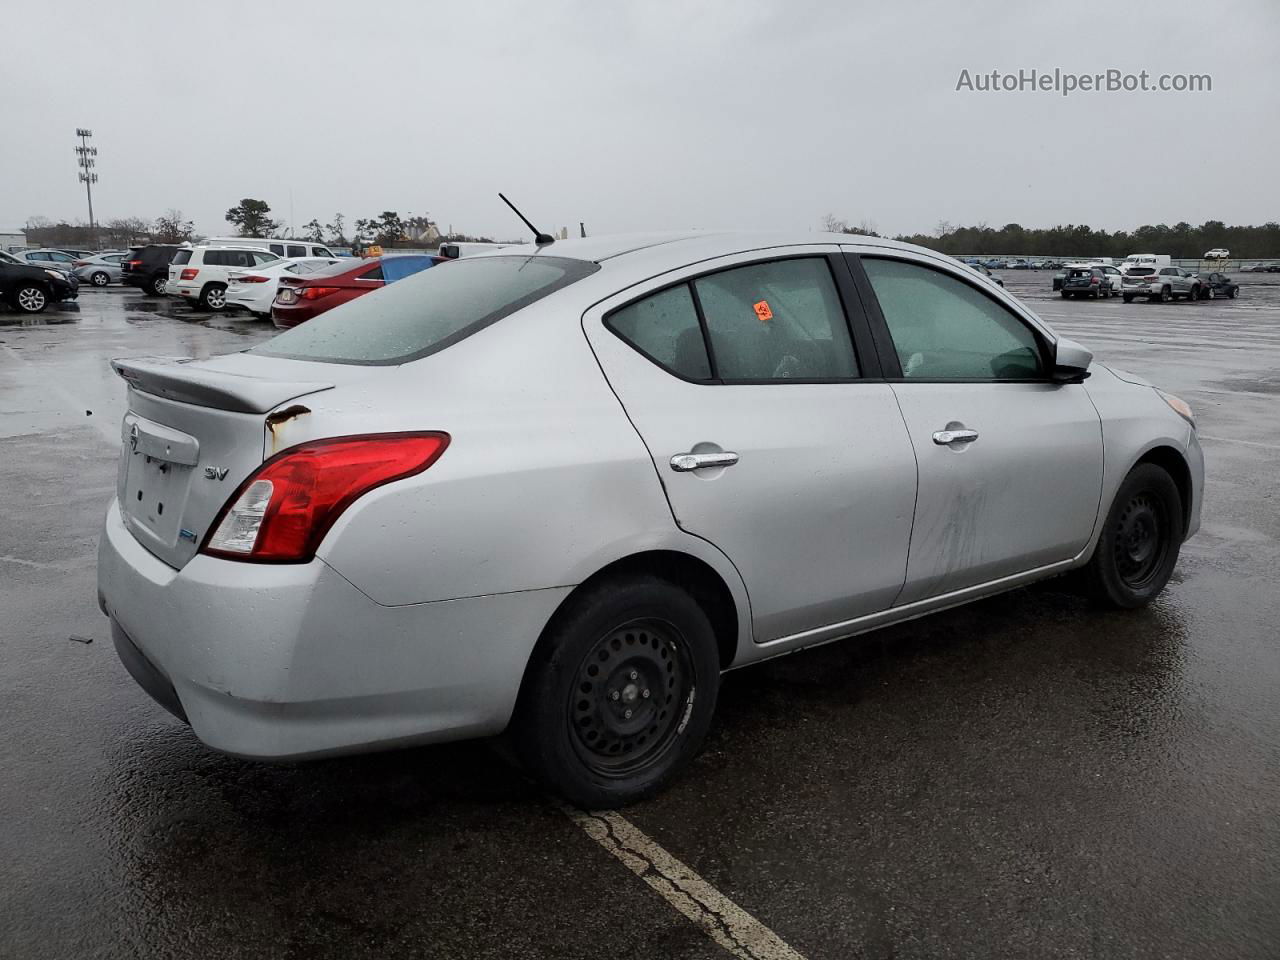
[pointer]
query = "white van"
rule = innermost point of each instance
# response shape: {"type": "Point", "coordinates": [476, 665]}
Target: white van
{"type": "Point", "coordinates": [1156, 260]}
{"type": "Point", "coordinates": [281, 248]}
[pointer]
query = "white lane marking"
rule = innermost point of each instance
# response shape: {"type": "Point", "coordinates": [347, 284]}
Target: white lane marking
{"type": "Point", "coordinates": [715, 914]}
{"type": "Point", "coordinates": [1247, 443]}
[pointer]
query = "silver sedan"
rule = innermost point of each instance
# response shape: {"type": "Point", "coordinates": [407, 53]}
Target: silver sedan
{"type": "Point", "coordinates": [557, 490]}
{"type": "Point", "coordinates": [99, 269]}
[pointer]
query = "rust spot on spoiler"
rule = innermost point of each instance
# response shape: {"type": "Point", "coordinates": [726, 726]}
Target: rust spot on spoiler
{"type": "Point", "coordinates": [281, 417]}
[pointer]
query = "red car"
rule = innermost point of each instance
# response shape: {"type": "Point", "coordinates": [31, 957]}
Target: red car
{"type": "Point", "coordinates": [301, 298]}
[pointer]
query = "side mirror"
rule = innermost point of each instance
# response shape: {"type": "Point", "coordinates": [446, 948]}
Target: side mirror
{"type": "Point", "coordinates": [1070, 361]}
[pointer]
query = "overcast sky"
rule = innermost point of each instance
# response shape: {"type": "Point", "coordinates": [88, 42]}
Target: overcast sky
{"type": "Point", "coordinates": [638, 116]}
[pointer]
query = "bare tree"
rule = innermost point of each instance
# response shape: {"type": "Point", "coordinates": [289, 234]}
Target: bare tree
{"type": "Point", "coordinates": [172, 228]}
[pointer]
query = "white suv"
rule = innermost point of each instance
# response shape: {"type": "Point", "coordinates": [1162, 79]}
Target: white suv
{"type": "Point", "coordinates": [199, 274]}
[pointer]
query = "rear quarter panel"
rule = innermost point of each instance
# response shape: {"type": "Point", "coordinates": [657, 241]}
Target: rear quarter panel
{"type": "Point", "coordinates": [545, 480]}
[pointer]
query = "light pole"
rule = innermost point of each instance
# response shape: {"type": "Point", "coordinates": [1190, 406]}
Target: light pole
{"type": "Point", "coordinates": [86, 162]}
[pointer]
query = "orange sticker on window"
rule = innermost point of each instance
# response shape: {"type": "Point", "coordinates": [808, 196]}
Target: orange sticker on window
{"type": "Point", "coordinates": [763, 311]}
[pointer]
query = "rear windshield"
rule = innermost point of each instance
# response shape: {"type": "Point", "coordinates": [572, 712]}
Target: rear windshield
{"type": "Point", "coordinates": [426, 312]}
{"type": "Point", "coordinates": [1141, 271]}
{"type": "Point", "coordinates": [1075, 274]}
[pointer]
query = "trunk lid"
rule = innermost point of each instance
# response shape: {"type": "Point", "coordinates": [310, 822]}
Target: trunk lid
{"type": "Point", "coordinates": [193, 432]}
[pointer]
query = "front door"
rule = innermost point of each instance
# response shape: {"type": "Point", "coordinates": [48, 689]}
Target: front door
{"type": "Point", "coordinates": [1010, 463]}
{"type": "Point", "coordinates": [770, 442]}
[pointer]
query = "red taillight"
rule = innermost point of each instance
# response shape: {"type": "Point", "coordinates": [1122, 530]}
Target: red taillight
{"type": "Point", "coordinates": [133, 263]}
{"type": "Point", "coordinates": [1095, 280]}
{"type": "Point", "coordinates": [315, 293]}
{"type": "Point", "coordinates": [283, 510]}
{"type": "Point", "coordinates": [189, 274]}
{"type": "Point", "coordinates": [80, 263]}
{"type": "Point", "coordinates": [250, 279]}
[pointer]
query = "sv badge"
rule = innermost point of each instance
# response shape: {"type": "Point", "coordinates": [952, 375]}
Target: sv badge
{"type": "Point", "coordinates": [215, 473]}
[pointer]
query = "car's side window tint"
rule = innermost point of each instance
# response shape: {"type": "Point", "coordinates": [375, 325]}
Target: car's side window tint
{"type": "Point", "coordinates": [374, 274]}
{"type": "Point", "coordinates": [664, 327]}
{"type": "Point", "coordinates": [277, 249]}
{"type": "Point", "coordinates": [780, 320]}
{"type": "Point", "coordinates": [297, 250]}
{"type": "Point", "coordinates": [944, 329]}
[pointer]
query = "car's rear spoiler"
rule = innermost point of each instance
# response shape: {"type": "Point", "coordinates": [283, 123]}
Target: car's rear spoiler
{"type": "Point", "coordinates": [179, 379]}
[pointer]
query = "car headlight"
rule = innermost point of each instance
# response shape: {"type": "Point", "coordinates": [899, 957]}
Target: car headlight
{"type": "Point", "coordinates": [1178, 406]}
{"type": "Point", "coordinates": [53, 273]}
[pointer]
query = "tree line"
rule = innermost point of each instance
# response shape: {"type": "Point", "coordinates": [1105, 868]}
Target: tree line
{"type": "Point", "coordinates": [1181, 241]}
{"type": "Point", "coordinates": [250, 218]}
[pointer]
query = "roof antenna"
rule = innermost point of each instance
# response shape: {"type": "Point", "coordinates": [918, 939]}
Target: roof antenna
{"type": "Point", "coordinates": [539, 237]}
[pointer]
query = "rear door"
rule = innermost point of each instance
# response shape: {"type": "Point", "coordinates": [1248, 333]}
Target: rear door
{"type": "Point", "coordinates": [768, 429]}
{"type": "Point", "coordinates": [1010, 463]}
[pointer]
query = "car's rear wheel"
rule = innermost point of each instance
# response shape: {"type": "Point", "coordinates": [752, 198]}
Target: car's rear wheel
{"type": "Point", "coordinates": [1166, 294]}
{"type": "Point", "coordinates": [1139, 545]}
{"type": "Point", "coordinates": [213, 296]}
{"type": "Point", "coordinates": [30, 298]}
{"type": "Point", "coordinates": [99, 279]}
{"type": "Point", "coordinates": [619, 693]}
{"type": "Point", "coordinates": [1233, 292]}
{"type": "Point", "coordinates": [1128, 298]}
{"type": "Point", "coordinates": [1066, 294]}
{"type": "Point", "coordinates": [157, 284]}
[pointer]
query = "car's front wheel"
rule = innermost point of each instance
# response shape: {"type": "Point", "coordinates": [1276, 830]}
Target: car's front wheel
{"type": "Point", "coordinates": [1139, 545]}
{"type": "Point", "coordinates": [619, 692]}
{"type": "Point", "coordinates": [30, 298]}
{"type": "Point", "coordinates": [1128, 297]}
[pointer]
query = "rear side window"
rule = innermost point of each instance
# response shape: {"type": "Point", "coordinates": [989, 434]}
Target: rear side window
{"type": "Point", "coordinates": [374, 274]}
{"type": "Point", "coordinates": [277, 249]}
{"type": "Point", "coordinates": [296, 250]}
{"type": "Point", "coordinates": [665, 328]}
{"type": "Point", "coordinates": [944, 329]}
{"type": "Point", "coordinates": [780, 320]}
{"type": "Point", "coordinates": [181, 257]}
{"type": "Point", "coordinates": [428, 311]}
{"type": "Point", "coordinates": [262, 256]}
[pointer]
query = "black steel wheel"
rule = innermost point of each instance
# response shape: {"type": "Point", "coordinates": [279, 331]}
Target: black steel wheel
{"type": "Point", "coordinates": [1139, 544]}
{"type": "Point", "coordinates": [634, 690]}
{"type": "Point", "coordinates": [619, 692]}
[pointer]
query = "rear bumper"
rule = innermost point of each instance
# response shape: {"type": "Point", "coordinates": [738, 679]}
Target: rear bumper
{"type": "Point", "coordinates": [290, 660]}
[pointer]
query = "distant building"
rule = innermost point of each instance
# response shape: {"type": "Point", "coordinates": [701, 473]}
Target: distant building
{"type": "Point", "coordinates": [11, 240]}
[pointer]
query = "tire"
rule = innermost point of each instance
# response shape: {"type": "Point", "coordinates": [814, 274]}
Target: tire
{"type": "Point", "coordinates": [1095, 294]}
{"type": "Point", "coordinates": [1128, 297]}
{"type": "Point", "coordinates": [1233, 293]}
{"type": "Point", "coordinates": [617, 641]}
{"type": "Point", "coordinates": [213, 296]}
{"type": "Point", "coordinates": [1138, 549]}
{"type": "Point", "coordinates": [1066, 294]}
{"type": "Point", "coordinates": [1194, 294]}
{"type": "Point", "coordinates": [1165, 294]}
{"type": "Point", "coordinates": [99, 279]}
{"type": "Point", "coordinates": [1212, 294]}
{"type": "Point", "coordinates": [156, 285]}
{"type": "Point", "coordinates": [30, 298]}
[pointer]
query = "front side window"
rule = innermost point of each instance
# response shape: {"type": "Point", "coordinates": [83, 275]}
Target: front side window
{"type": "Point", "coordinates": [780, 320]}
{"type": "Point", "coordinates": [944, 329]}
{"type": "Point", "coordinates": [321, 252]}
{"type": "Point", "coordinates": [664, 327]}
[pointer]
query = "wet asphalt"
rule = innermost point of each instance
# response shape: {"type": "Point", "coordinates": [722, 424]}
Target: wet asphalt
{"type": "Point", "coordinates": [1024, 777]}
